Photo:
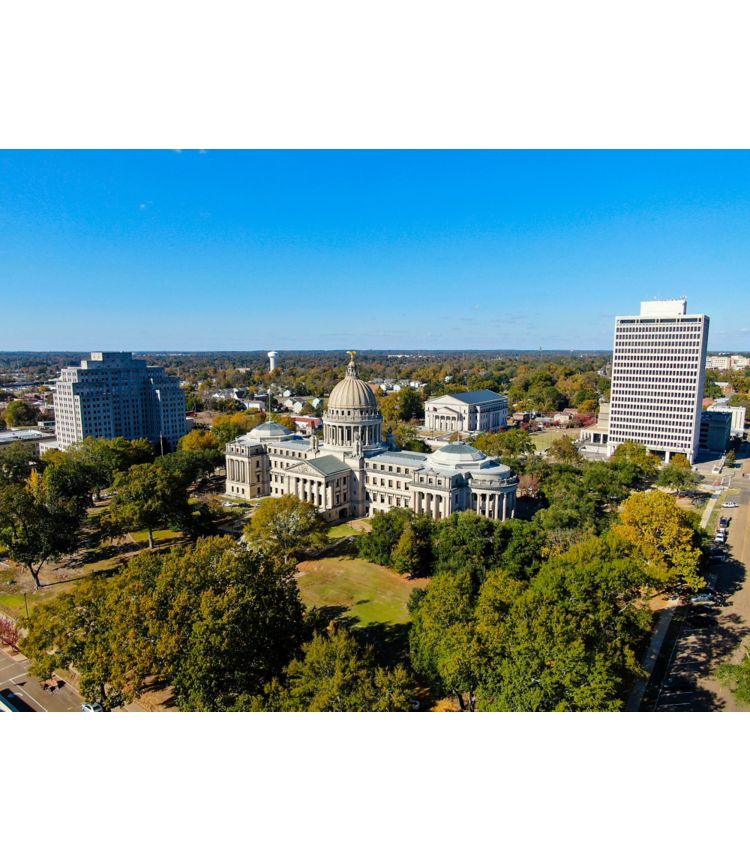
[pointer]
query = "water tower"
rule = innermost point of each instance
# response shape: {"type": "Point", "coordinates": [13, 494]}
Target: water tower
{"type": "Point", "coordinates": [272, 360]}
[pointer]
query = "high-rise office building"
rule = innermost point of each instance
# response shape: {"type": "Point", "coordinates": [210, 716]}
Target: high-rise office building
{"type": "Point", "coordinates": [113, 394]}
{"type": "Point", "coordinates": [658, 371]}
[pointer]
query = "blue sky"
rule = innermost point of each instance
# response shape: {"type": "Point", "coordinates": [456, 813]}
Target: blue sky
{"type": "Point", "coordinates": [234, 250]}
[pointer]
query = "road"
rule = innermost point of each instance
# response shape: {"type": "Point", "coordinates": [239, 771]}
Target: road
{"type": "Point", "coordinates": [692, 651]}
{"type": "Point", "coordinates": [14, 678]}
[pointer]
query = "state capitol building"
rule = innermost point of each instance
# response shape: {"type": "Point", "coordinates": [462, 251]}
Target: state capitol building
{"type": "Point", "coordinates": [354, 473]}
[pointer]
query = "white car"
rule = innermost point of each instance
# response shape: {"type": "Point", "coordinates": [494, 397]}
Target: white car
{"type": "Point", "coordinates": [730, 505]}
{"type": "Point", "coordinates": [92, 708]}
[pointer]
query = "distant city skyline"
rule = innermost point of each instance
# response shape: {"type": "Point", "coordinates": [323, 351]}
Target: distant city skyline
{"type": "Point", "coordinates": [182, 251]}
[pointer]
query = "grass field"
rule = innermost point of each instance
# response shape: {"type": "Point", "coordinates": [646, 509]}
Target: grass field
{"type": "Point", "coordinates": [367, 592]}
{"type": "Point", "coordinates": [13, 603]}
{"type": "Point", "coordinates": [543, 440]}
{"type": "Point", "coordinates": [342, 530]}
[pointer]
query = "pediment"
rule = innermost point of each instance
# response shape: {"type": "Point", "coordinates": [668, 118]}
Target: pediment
{"type": "Point", "coordinates": [303, 469]}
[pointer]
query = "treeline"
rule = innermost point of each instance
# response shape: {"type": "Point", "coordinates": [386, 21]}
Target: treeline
{"type": "Point", "coordinates": [44, 502]}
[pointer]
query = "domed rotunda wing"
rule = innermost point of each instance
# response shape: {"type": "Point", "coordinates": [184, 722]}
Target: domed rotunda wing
{"type": "Point", "coordinates": [352, 414]}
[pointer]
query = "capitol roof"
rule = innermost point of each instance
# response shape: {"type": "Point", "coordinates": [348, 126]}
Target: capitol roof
{"type": "Point", "coordinates": [267, 430]}
{"type": "Point", "coordinates": [472, 397]}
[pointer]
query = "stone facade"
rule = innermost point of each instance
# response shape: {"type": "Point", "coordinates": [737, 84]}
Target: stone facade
{"type": "Point", "coordinates": [467, 412]}
{"type": "Point", "coordinates": [353, 473]}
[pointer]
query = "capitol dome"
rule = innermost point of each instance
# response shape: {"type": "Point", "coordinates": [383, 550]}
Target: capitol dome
{"type": "Point", "coordinates": [352, 421]}
{"type": "Point", "coordinates": [352, 392]}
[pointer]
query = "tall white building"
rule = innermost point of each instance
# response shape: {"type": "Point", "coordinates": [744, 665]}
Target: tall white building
{"type": "Point", "coordinates": [658, 372]}
{"type": "Point", "coordinates": [113, 394]}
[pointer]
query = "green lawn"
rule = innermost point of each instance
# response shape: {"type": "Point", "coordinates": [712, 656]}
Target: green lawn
{"type": "Point", "coordinates": [543, 440]}
{"type": "Point", "coordinates": [13, 603]}
{"type": "Point", "coordinates": [370, 593]}
{"type": "Point", "coordinates": [342, 530]}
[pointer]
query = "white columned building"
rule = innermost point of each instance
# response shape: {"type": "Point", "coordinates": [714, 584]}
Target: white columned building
{"type": "Point", "coordinates": [353, 473]}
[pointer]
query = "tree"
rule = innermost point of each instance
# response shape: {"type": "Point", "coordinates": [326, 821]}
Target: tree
{"type": "Point", "coordinates": [677, 477]}
{"type": "Point", "coordinates": [570, 640]}
{"type": "Point", "coordinates": [637, 456]}
{"type": "Point", "coordinates": [37, 525]}
{"type": "Point", "coordinates": [407, 439]}
{"type": "Point", "coordinates": [564, 450]}
{"type": "Point", "coordinates": [387, 527]}
{"type": "Point", "coordinates": [200, 442]}
{"type": "Point", "coordinates": [146, 496]}
{"type": "Point", "coordinates": [730, 459]}
{"type": "Point", "coordinates": [284, 526]}
{"type": "Point", "coordinates": [664, 537]}
{"type": "Point", "coordinates": [413, 552]}
{"type": "Point", "coordinates": [465, 541]}
{"type": "Point", "coordinates": [513, 443]}
{"type": "Point", "coordinates": [335, 674]}
{"type": "Point", "coordinates": [19, 413]}
{"type": "Point", "coordinates": [737, 677]}
{"type": "Point", "coordinates": [442, 639]}
{"type": "Point", "coordinates": [228, 427]}
{"type": "Point", "coordinates": [213, 620]}
{"type": "Point", "coordinates": [17, 461]}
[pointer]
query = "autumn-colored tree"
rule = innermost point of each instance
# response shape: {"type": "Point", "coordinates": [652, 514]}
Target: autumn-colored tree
{"type": "Point", "coordinates": [228, 427]}
{"type": "Point", "coordinates": [664, 536]}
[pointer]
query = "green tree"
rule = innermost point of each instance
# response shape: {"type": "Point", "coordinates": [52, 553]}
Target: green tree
{"type": "Point", "coordinates": [442, 639]}
{"type": "Point", "coordinates": [146, 496]}
{"type": "Point", "coordinates": [17, 461]}
{"type": "Point", "coordinates": [513, 443]}
{"type": "Point", "coordinates": [387, 528]}
{"type": "Point", "coordinates": [19, 413]}
{"type": "Point", "coordinates": [407, 439]}
{"type": "Point", "coordinates": [335, 674]}
{"type": "Point", "coordinates": [564, 450]}
{"type": "Point", "coordinates": [737, 677]}
{"type": "Point", "coordinates": [731, 459]}
{"type": "Point", "coordinates": [465, 541]}
{"type": "Point", "coordinates": [413, 552]}
{"type": "Point", "coordinates": [645, 464]}
{"type": "Point", "coordinates": [213, 620]}
{"type": "Point", "coordinates": [37, 525]}
{"type": "Point", "coordinates": [675, 476]}
{"type": "Point", "coordinates": [570, 640]}
{"type": "Point", "coordinates": [285, 526]}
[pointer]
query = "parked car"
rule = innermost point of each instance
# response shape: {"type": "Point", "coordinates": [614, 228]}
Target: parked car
{"type": "Point", "coordinates": [720, 539]}
{"type": "Point", "coordinates": [92, 708]}
{"type": "Point", "coordinates": [703, 597]}
{"type": "Point", "coordinates": [730, 505]}
{"type": "Point", "coordinates": [724, 522]}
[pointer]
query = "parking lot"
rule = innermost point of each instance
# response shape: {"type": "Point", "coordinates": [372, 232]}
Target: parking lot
{"type": "Point", "coordinates": [704, 636]}
{"type": "Point", "coordinates": [27, 693]}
